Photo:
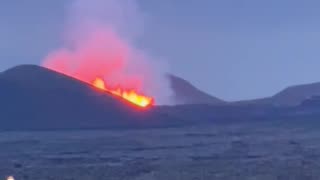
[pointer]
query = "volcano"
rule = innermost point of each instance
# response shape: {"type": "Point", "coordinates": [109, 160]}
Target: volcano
{"type": "Point", "coordinates": [37, 98]}
{"type": "Point", "coordinates": [91, 74]}
{"type": "Point", "coordinates": [34, 97]}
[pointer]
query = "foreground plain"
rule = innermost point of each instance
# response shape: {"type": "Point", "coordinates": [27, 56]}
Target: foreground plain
{"type": "Point", "coordinates": [251, 150]}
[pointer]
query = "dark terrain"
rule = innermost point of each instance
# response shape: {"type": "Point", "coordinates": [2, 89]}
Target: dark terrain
{"type": "Point", "coordinates": [265, 151]}
{"type": "Point", "coordinates": [57, 128]}
{"type": "Point", "coordinates": [36, 98]}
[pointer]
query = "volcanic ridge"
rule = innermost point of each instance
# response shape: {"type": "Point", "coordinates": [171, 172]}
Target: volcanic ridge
{"type": "Point", "coordinates": [37, 98]}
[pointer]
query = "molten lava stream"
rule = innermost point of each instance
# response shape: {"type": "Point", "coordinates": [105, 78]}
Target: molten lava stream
{"type": "Point", "coordinates": [129, 95]}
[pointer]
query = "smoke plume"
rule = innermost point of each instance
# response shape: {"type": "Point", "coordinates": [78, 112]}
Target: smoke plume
{"type": "Point", "coordinates": [99, 41]}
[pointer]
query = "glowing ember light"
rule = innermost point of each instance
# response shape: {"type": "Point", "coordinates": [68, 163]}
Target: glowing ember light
{"type": "Point", "coordinates": [10, 178]}
{"type": "Point", "coordinates": [102, 58]}
{"type": "Point", "coordinates": [129, 95]}
{"type": "Point", "coordinates": [99, 83]}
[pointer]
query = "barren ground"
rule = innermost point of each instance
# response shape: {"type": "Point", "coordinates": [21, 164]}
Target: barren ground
{"type": "Point", "coordinates": [262, 151]}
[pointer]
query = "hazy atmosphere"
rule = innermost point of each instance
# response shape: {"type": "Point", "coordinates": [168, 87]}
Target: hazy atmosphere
{"type": "Point", "coordinates": [231, 49]}
{"type": "Point", "coordinates": [159, 90]}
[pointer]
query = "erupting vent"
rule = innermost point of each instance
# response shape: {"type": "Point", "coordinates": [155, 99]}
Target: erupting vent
{"type": "Point", "coordinates": [98, 48]}
{"type": "Point", "coordinates": [129, 95]}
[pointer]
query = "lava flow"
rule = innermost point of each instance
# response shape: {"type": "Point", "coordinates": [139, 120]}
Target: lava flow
{"type": "Point", "coordinates": [129, 95]}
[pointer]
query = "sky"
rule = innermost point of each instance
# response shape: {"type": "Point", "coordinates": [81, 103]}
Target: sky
{"type": "Point", "coordinates": [232, 49]}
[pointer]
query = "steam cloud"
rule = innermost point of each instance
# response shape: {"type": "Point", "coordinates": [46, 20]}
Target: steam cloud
{"type": "Point", "coordinates": [98, 41]}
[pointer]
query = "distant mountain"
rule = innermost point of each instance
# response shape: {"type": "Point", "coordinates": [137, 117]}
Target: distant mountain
{"type": "Point", "coordinates": [186, 93]}
{"type": "Point", "coordinates": [290, 96]}
{"type": "Point", "coordinates": [294, 95]}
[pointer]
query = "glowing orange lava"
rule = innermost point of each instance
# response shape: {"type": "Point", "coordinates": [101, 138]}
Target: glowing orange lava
{"type": "Point", "coordinates": [102, 58]}
{"type": "Point", "coordinates": [99, 83]}
{"type": "Point", "coordinates": [129, 95]}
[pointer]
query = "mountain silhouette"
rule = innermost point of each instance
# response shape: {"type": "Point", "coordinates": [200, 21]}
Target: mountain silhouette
{"type": "Point", "coordinates": [294, 95]}
{"type": "Point", "coordinates": [290, 96]}
{"type": "Point", "coordinates": [34, 97]}
{"type": "Point", "coordinates": [37, 98]}
{"type": "Point", "coordinates": [186, 93]}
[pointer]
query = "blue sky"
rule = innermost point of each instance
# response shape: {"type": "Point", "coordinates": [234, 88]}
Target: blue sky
{"type": "Point", "coordinates": [233, 49]}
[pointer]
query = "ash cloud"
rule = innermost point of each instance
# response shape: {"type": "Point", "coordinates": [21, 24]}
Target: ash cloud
{"type": "Point", "coordinates": [99, 40]}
